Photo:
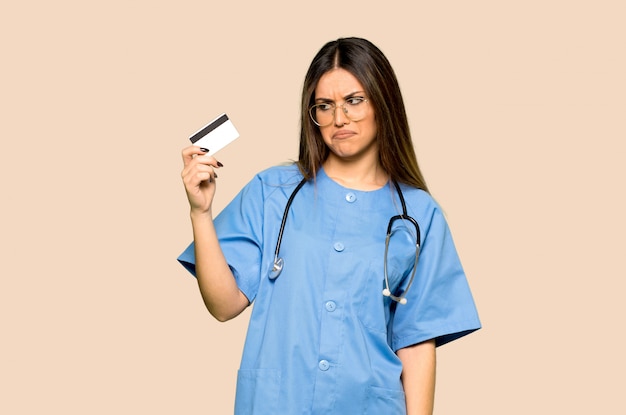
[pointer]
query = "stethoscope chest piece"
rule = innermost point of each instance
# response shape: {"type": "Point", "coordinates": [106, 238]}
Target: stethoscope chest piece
{"type": "Point", "coordinates": [277, 268]}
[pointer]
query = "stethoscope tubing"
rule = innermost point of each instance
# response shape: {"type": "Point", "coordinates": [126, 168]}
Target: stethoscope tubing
{"type": "Point", "coordinates": [279, 262]}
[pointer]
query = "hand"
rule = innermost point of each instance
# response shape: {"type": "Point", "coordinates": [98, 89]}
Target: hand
{"type": "Point", "coordinates": [199, 178]}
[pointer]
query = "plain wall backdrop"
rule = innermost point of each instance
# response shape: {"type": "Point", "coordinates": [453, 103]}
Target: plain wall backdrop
{"type": "Point", "coordinates": [517, 109]}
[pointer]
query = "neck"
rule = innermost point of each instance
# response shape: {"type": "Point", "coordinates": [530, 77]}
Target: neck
{"type": "Point", "coordinates": [358, 174]}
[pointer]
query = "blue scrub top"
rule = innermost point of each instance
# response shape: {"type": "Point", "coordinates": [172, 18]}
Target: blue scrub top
{"type": "Point", "coordinates": [322, 338]}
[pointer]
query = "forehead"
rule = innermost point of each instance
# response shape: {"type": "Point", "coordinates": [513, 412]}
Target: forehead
{"type": "Point", "coordinates": [337, 83]}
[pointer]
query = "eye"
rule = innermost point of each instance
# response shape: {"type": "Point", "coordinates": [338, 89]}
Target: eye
{"type": "Point", "coordinates": [324, 106]}
{"type": "Point", "coordinates": [353, 101]}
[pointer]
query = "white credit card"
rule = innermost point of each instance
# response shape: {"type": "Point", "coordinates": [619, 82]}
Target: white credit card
{"type": "Point", "coordinates": [215, 135]}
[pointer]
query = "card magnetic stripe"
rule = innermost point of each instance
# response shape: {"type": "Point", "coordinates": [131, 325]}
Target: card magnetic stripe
{"type": "Point", "coordinates": [206, 130]}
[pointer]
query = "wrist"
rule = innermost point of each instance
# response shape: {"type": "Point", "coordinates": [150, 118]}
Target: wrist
{"type": "Point", "coordinates": [200, 215]}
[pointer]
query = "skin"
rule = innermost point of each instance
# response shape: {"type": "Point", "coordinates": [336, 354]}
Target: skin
{"type": "Point", "coordinates": [217, 284]}
{"type": "Point", "coordinates": [353, 157]}
{"type": "Point", "coordinates": [352, 162]}
{"type": "Point", "coordinates": [418, 377]}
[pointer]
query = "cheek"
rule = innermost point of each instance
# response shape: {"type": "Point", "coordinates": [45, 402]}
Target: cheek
{"type": "Point", "coordinates": [372, 129]}
{"type": "Point", "coordinates": [326, 134]}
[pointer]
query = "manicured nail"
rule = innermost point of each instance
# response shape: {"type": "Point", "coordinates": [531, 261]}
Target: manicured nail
{"type": "Point", "coordinates": [215, 176]}
{"type": "Point", "coordinates": [219, 164]}
{"type": "Point", "coordinates": [204, 150]}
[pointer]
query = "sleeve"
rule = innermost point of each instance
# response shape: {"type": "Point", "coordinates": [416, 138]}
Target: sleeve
{"type": "Point", "coordinates": [239, 229]}
{"type": "Point", "coordinates": [439, 304]}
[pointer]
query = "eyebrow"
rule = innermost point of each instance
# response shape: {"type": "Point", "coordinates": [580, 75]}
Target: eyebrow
{"type": "Point", "coordinates": [350, 95]}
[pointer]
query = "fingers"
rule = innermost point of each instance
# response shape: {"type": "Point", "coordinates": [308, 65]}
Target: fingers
{"type": "Point", "coordinates": [198, 165]}
{"type": "Point", "coordinates": [202, 172]}
{"type": "Point", "coordinates": [189, 153]}
{"type": "Point", "coordinates": [199, 155]}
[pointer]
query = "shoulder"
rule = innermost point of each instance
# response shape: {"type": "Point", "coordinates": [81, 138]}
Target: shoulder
{"type": "Point", "coordinates": [272, 179]}
{"type": "Point", "coordinates": [421, 205]}
{"type": "Point", "coordinates": [283, 174]}
{"type": "Point", "coordinates": [419, 199]}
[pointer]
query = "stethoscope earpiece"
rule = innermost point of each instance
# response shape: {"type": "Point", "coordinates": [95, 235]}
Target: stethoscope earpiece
{"type": "Point", "coordinates": [400, 300]}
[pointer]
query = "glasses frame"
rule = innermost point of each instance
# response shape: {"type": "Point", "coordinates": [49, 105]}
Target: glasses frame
{"type": "Point", "coordinates": [335, 106]}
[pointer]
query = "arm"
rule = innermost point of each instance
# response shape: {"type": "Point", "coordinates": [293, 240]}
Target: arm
{"type": "Point", "coordinates": [217, 284]}
{"type": "Point", "coordinates": [418, 377]}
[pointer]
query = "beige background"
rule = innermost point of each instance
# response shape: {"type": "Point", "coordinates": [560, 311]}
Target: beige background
{"type": "Point", "coordinates": [518, 113]}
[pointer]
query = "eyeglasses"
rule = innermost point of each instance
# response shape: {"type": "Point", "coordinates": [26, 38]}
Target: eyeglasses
{"type": "Point", "coordinates": [323, 114]}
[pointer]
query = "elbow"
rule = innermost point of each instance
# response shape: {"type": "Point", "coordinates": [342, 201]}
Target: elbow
{"type": "Point", "coordinates": [225, 308]}
{"type": "Point", "coordinates": [223, 315]}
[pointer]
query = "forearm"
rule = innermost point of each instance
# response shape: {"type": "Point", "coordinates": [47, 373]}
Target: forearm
{"type": "Point", "coordinates": [218, 287]}
{"type": "Point", "coordinates": [418, 377]}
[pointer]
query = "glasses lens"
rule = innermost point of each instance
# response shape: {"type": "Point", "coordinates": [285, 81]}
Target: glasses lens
{"type": "Point", "coordinates": [322, 114]}
{"type": "Point", "coordinates": [354, 108]}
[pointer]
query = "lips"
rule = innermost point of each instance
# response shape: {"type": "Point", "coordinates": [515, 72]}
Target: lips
{"type": "Point", "coordinates": [342, 134]}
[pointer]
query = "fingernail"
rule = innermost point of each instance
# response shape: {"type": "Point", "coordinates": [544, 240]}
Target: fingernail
{"type": "Point", "coordinates": [219, 164]}
{"type": "Point", "coordinates": [214, 176]}
{"type": "Point", "coordinates": [205, 150]}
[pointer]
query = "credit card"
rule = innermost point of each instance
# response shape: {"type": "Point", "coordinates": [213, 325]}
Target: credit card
{"type": "Point", "coordinates": [215, 135]}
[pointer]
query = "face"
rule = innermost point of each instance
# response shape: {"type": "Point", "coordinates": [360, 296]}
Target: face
{"type": "Point", "coordinates": [347, 139]}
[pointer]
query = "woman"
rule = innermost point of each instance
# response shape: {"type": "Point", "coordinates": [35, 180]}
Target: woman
{"type": "Point", "coordinates": [347, 322]}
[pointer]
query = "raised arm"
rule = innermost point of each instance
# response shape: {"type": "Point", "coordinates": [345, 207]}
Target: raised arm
{"type": "Point", "coordinates": [217, 284]}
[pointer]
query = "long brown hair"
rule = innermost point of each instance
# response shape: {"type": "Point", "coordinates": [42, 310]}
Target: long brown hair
{"type": "Point", "coordinates": [370, 66]}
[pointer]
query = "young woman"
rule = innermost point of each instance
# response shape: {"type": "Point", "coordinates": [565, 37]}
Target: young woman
{"type": "Point", "coordinates": [348, 260]}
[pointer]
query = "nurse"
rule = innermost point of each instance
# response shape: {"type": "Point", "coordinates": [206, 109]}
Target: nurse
{"type": "Point", "coordinates": [347, 327]}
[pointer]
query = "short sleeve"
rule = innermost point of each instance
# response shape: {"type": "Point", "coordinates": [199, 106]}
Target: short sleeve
{"type": "Point", "coordinates": [439, 304]}
{"type": "Point", "coordinates": [239, 229]}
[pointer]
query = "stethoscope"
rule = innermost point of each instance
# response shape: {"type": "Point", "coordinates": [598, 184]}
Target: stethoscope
{"type": "Point", "coordinates": [279, 262]}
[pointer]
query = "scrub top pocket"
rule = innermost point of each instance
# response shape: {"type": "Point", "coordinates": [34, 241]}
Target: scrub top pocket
{"type": "Point", "coordinates": [385, 401]}
{"type": "Point", "coordinates": [257, 392]}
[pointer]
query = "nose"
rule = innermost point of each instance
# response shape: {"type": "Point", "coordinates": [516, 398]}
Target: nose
{"type": "Point", "coordinates": [341, 118]}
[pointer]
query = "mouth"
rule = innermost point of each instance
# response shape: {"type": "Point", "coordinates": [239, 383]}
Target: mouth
{"type": "Point", "coordinates": [343, 134]}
